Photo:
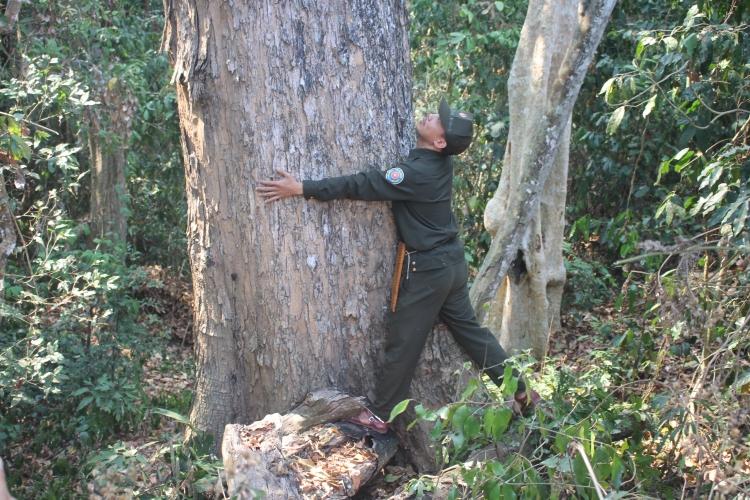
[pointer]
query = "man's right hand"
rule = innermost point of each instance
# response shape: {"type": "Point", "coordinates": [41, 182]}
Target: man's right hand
{"type": "Point", "coordinates": [277, 190]}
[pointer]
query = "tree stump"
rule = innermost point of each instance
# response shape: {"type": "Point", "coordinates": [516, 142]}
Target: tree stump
{"type": "Point", "coordinates": [308, 453]}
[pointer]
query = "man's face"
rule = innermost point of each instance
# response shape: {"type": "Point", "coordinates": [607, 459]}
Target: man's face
{"type": "Point", "coordinates": [431, 130]}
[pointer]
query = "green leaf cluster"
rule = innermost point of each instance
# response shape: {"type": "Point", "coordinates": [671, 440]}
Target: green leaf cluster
{"type": "Point", "coordinates": [661, 127]}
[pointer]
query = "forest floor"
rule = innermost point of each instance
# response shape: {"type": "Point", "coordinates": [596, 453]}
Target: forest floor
{"type": "Point", "coordinates": [168, 378]}
{"type": "Point", "coordinates": [167, 374]}
{"type": "Point", "coordinates": [170, 373]}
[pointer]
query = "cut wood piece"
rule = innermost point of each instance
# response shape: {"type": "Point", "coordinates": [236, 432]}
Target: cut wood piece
{"type": "Point", "coordinates": [260, 469]}
{"type": "Point", "coordinates": [330, 464]}
{"type": "Point", "coordinates": [304, 455]}
{"type": "Point", "coordinates": [320, 407]}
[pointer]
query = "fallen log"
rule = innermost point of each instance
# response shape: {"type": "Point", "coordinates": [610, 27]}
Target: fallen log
{"type": "Point", "coordinates": [309, 453]}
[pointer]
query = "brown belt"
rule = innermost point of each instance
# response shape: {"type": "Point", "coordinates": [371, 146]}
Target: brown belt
{"type": "Point", "coordinates": [400, 254]}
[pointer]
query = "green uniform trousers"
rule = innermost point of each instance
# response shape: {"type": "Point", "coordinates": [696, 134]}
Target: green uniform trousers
{"type": "Point", "coordinates": [423, 296]}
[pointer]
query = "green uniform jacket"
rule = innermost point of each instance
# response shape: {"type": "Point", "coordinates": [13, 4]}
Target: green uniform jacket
{"type": "Point", "coordinates": [420, 188]}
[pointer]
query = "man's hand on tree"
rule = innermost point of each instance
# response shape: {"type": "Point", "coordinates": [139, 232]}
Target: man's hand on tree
{"type": "Point", "coordinates": [277, 190]}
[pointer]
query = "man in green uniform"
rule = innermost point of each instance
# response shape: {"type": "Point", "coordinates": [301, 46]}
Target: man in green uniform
{"type": "Point", "coordinates": [434, 281]}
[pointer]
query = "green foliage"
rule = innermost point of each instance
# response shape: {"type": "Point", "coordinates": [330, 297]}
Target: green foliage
{"type": "Point", "coordinates": [659, 399]}
{"type": "Point", "coordinates": [693, 321]}
{"type": "Point", "coordinates": [398, 409]}
{"type": "Point", "coordinates": [105, 403]}
{"type": "Point", "coordinates": [94, 48]}
{"type": "Point", "coordinates": [660, 134]}
{"type": "Point", "coordinates": [666, 129]}
{"type": "Point", "coordinates": [50, 167]}
{"type": "Point", "coordinates": [72, 336]}
{"type": "Point", "coordinates": [582, 418]}
{"type": "Point", "coordinates": [186, 466]}
{"type": "Point", "coordinates": [588, 283]}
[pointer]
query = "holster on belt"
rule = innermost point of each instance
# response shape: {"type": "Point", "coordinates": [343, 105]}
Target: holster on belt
{"type": "Point", "coordinates": [397, 269]}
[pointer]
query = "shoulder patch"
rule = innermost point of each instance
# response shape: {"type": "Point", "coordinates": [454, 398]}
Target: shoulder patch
{"type": "Point", "coordinates": [394, 175]}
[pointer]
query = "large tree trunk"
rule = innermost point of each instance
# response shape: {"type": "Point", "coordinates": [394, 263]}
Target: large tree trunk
{"type": "Point", "coordinates": [527, 244]}
{"type": "Point", "coordinates": [289, 297]}
{"type": "Point", "coordinates": [527, 306]}
{"type": "Point", "coordinates": [109, 130]}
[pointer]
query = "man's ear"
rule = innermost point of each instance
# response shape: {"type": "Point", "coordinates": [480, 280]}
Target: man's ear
{"type": "Point", "coordinates": [440, 143]}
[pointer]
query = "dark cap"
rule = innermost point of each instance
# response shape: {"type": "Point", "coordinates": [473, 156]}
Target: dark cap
{"type": "Point", "coordinates": [459, 128]}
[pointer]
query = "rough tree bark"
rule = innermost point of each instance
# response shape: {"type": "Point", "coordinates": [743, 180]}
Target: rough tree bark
{"type": "Point", "coordinates": [527, 244]}
{"type": "Point", "coordinates": [292, 296]}
{"type": "Point", "coordinates": [8, 235]}
{"type": "Point", "coordinates": [517, 315]}
{"type": "Point", "coordinates": [109, 130]}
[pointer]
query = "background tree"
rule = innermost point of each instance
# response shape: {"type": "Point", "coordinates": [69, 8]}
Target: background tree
{"type": "Point", "coordinates": [527, 306]}
{"type": "Point", "coordinates": [465, 50]}
{"type": "Point", "coordinates": [292, 296]}
{"type": "Point", "coordinates": [8, 235]}
{"type": "Point", "coordinates": [82, 366]}
{"type": "Point", "coordinates": [542, 149]}
{"type": "Point", "coordinates": [109, 132]}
